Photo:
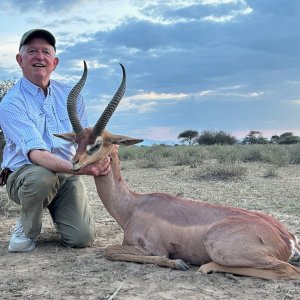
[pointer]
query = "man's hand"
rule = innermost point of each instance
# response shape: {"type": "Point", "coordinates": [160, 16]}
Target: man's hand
{"type": "Point", "coordinates": [56, 164]}
{"type": "Point", "coordinates": [97, 168]}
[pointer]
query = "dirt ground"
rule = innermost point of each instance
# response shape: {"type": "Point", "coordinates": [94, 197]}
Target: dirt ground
{"type": "Point", "coordinates": [54, 272]}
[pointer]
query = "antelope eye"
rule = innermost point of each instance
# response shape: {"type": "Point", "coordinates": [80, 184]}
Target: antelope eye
{"type": "Point", "coordinates": [90, 149]}
{"type": "Point", "coordinates": [96, 147]}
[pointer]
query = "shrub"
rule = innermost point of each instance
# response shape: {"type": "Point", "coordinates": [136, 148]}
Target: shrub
{"type": "Point", "coordinates": [222, 172]}
{"type": "Point", "coordinates": [152, 157]}
{"type": "Point", "coordinates": [276, 155]}
{"type": "Point", "coordinates": [294, 151]}
{"type": "Point", "coordinates": [151, 160]}
{"type": "Point", "coordinates": [285, 138]}
{"type": "Point", "coordinates": [129, 153]}
{"type": "Point", "coordinates": [5, 86]}
{"type": "Point", "coordinates": [189, 156]}
{"type": "Point", "coordinates": [209, 137]}
{"type": "Point", "coordinates": [252, 153]}
{"type": "Point", "coordinates": [225, 153]}
{"type": "Point", "coordinates": [270, 171]}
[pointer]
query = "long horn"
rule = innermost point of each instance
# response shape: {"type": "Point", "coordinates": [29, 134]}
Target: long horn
{"type": "Point", "coordinates": [110, 108]}
{"type": "Point", "coordinates": [72, 99]}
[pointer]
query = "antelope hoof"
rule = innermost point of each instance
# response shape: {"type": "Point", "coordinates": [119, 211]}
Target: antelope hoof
{"type": "Point", "coordinates": [181, 265]}
{"type": "Point", "coordinates": [205, 269]}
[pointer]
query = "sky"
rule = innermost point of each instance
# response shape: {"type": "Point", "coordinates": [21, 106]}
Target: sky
{"type": "Point", "coordinates": [230, 65]}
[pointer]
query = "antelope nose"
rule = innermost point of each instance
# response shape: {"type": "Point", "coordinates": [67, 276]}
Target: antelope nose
{"type": "Point", "coordinates": [75, 161]}
{"type": "Point", "coordinates": [76, 168]}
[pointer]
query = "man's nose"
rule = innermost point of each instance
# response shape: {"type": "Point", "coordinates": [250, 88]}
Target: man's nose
{"type": "Point", "coordinates": [39, 54]}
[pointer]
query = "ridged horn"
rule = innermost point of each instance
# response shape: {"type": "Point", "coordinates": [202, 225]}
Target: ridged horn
{"type": "Point", "coordinates": [110, 108]}
{"type": "Point", "coordinates": [72, 100]}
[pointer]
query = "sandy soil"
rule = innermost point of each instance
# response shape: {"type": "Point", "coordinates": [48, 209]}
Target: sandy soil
{"type": "Point", "coordinates": [54, 272]}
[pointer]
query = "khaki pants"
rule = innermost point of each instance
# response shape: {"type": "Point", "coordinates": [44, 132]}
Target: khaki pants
{"type": "Point", "coordinates": [35, 188]}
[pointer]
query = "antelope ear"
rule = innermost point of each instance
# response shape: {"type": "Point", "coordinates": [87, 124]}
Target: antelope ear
{"type": "Point", "coordinates": [124, 140]}
{"type": "Point", "coordinates": [69, 136]}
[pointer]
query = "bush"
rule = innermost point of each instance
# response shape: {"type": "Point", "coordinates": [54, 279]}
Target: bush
{"type": "Point", "coordinates": [190, 156]}
{"type": "Point", "coordinates": [252, 153]}
{"type": "Point", "coordinates": [129, 153]}
{"type": "Point", "coordinates": [286, 138]}
{"type": "Point", "coordinates": [152, 157]}
{"type": "Point", "coordinates": [294, 151]}
{"type": "Point", "coordinates": [222, 172]}
{"type": "Point", "coordinates": [276, 155]}
{"type": "Point", "coordinates": [209, 137]}
{"type": "Point", "coordinates": [5, 86]}
{"type": "Point", "coordinates": [270, 172]}
{"type": "Point", "coordinates": [225, 153]}
{"type": "Point", "coordinates": [151, 160]}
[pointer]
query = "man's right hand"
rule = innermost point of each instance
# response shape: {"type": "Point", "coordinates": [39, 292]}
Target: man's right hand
{"type": "Point", "coordinates": [99, 168]}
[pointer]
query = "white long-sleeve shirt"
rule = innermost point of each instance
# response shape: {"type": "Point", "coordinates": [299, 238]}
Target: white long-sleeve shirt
{"type": "Point", "coordinates": [29, 119]}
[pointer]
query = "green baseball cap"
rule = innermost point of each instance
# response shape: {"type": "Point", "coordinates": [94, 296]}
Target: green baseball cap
{"type": "Point", "coordinates": [37, 33]}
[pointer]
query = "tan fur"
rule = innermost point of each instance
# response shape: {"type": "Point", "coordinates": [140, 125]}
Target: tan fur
{"type": "Point", "coordinates": [170, 231]}
{"type": "Point", "coordinates": [173, 232]}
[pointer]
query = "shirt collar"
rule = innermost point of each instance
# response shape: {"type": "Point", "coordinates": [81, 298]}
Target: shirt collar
{"type": "Point", "coordinates": [34, 89]}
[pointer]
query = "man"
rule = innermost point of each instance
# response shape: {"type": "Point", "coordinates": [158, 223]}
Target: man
{"type": "Point", "coordinates": [39, 164]}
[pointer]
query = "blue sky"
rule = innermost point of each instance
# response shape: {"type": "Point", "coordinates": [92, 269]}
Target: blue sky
{"type": "Point", "coordinates": [231, 65]}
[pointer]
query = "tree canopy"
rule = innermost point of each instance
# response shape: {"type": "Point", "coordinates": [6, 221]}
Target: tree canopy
{"type": "Point", "coordinates": [209, 137]}
{"type": "Point", "coordinates": [285, 138]}
{"type": "Point", "coordinates": [188, 136]}
{"type": "Point", "coordinates": [254, 137]}
{"type": "Point", "coordinates": [5, 85]}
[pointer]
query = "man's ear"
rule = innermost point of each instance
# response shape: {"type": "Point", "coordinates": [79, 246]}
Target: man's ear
{"type": "Point", "coordinates": [56, 61]}
{"type": "Point", "coordinates": [19, 60]}
{"type": "Point", "coordinates": [69, 136]}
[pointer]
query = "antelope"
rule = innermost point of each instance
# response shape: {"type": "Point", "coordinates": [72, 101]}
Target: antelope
{"type": "Point", "coordinates": [174, 232]}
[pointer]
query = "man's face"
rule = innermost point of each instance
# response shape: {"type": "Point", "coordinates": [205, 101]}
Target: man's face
{"type": "Point", "coordinates": [37, 60]}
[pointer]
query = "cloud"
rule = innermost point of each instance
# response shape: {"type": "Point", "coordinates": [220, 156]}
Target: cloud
{"type": "Point", "coordinates": [297, 102]}
{"type": "Point", "coordinates": [157, 96]}
{"type": "Point", "coordinates": [171, 12]}
{"type": "Point", "coordinates": [230, 95]}
{"type": "Point", "coordinates": [190, 63]}
{"type": "Point", "coordinates": [126, 106]}
{"type": "Point", "coordinates": [44, 5]}
{"type": "Point", "coordinates": [143, 103]}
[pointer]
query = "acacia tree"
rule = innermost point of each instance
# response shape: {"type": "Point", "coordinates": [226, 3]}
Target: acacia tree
{"type": "Point", "coordinates": [210, 137]}
{"type": "Point", "coordinates": [285, 138]}
{"type": "Point", "coordinates": [274, 139]}
{"type": "Point", "coordinates": [254, 137]}
{"type": "Point", "coordinates": [5, 85]}
{"type": "Point", "coordinates": [188, 136]}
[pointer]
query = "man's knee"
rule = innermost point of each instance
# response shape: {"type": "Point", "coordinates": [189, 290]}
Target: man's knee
{"type": "Point", "coordinates": [41, 184]}
{"type": "Point", "coordinates": [41, 179]}
{"type": "Point", "coordinates": [79, 237]}
{"type": "Point", "coordinates": [32, 184]}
